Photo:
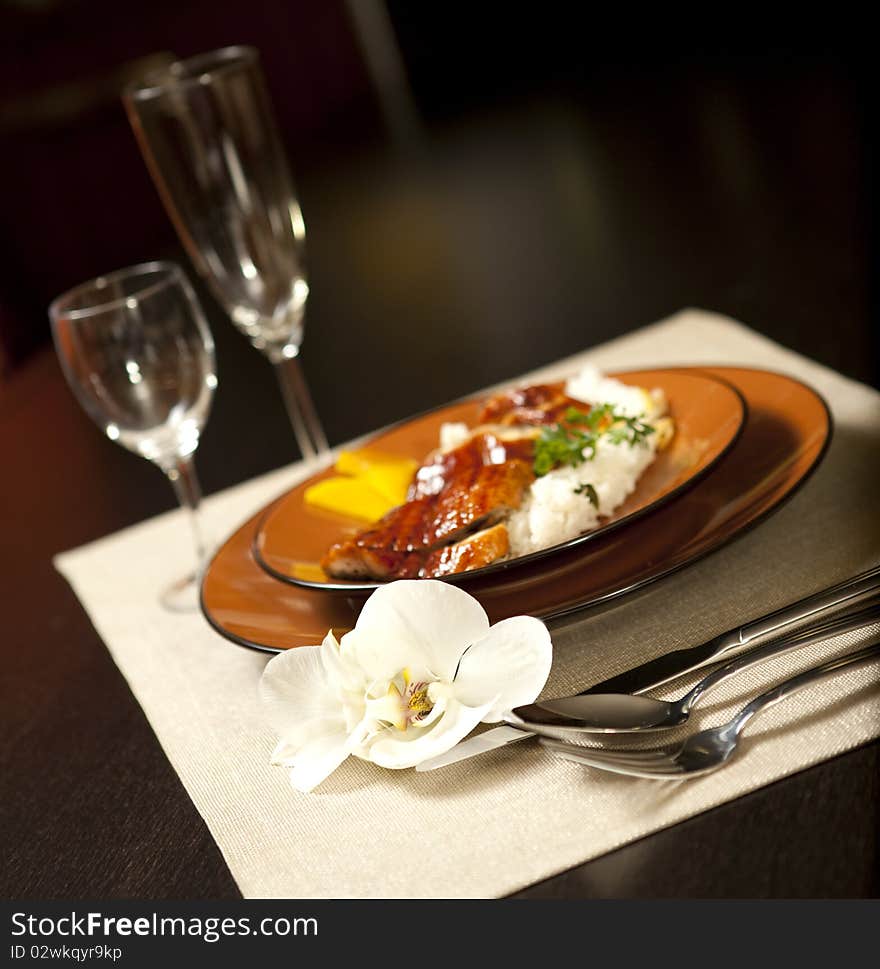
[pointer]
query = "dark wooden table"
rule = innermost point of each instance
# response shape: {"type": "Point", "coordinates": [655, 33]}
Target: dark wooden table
{"type": "Point", "coordinates": [493, 246]}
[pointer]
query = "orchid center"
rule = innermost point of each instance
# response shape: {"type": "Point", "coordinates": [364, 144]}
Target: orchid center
{"type": "Point", "coordinates": [408, 701]}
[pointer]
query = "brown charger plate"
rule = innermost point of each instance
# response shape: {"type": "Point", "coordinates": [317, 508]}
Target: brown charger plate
{"type": "Point", "coordinates": [785, 437]}
{"type": "Point", "coordinates": [709, 414]}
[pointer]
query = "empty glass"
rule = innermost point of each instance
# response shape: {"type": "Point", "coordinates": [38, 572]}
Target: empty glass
{"type": "Point", "coordinates": [139, 357]}
{"type": "Point", "coordinates": [206, 130]}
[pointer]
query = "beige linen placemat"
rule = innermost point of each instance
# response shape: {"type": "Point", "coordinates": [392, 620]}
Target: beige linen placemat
{"type": "Point", "coordinates": [489, 826]}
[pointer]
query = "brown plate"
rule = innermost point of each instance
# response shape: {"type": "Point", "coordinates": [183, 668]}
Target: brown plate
{"type": "Point", "coordinates": [709, 414]}
{"type": "Point", "coordinates": [785, 437]}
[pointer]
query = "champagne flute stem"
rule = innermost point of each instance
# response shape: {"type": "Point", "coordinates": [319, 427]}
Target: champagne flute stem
{"type": "Point", "coordinates": [306, 426]}
{"type": "Point", "coordinates": [182, 475]}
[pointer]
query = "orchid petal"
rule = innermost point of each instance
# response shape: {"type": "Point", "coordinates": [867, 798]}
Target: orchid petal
{"type": "Point", "coordinates": [300, 733]}
{"type": "Point", "coordinates": [339, 666]}
{"type": "Point", "coordinates": [415, 622]}
{"type": "Point", "coordinates": [316, 760]}
{"type": "Point", "coordinates": [510, 664]}
{"type": "Point", "coordinates": [399, 749]}
{"type": "Point", "coordinates": [295, 688]}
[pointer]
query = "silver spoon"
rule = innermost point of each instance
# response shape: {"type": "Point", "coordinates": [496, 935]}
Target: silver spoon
{"type": "Point", "coordinates": [710, 749]}
{"type": "Point", "coordinates": [625, 713]}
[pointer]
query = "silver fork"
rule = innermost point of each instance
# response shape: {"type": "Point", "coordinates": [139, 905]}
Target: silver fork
{"type": "Point", "coordinates": [710, 749]}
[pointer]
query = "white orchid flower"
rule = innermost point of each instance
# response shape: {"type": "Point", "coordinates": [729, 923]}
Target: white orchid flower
{"type": "Point", "coordinates": [419, 671]}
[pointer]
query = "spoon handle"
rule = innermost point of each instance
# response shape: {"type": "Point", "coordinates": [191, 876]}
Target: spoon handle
{"type": "Point", "coordinates": [779, 692]}
{"type": "Point", "coordinates": [658, 671]}
{"type": "Point", "coordinates": [806, 637]}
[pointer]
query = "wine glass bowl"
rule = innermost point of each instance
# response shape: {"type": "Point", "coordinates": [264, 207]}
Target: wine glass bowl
{"type": "Point", "coordinates": [206, 129]}
{"type": "Point", "coordinates": [139, 357]}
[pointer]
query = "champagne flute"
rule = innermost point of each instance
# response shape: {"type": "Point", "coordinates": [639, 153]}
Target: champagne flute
{"type": "Point", "coordinates": [206, 130]}
{"type": "Point", "coordinates": [139, 357]}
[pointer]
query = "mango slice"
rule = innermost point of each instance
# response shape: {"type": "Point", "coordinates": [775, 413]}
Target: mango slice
{"type": "Point", "coordinates": [388, 474]}
{"type": "Point", "coordinates": [357, 462]}
{"type": "Point", "coordinates": [349, 496]}
{"type": "Point", "coordinates": [370, 484]}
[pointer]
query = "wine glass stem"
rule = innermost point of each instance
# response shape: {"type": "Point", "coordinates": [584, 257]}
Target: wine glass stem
{"type": "Point", "coordinates": [182, 476]}
{"type": "Point", "coordinates": [306, 426]}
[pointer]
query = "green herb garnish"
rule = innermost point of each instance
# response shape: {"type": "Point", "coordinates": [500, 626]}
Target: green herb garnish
{"type": "Point", "coordinates": [587, 489]}
{"type": "Point", "coordinates": [632, 430]}
{"type": "Point", "coordinates": [573, 440]}
{"type": "Point", "coordinates": [559, 445]}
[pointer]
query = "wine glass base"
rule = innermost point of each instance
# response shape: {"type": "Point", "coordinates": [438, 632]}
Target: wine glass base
{"type": "Point", "coordinates": [182, 595]}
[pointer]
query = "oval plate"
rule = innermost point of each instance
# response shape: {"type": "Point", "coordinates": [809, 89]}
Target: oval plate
{"type": "Point", "coordinates": [293, 537]}
{"type": "Point", "coordinates": [786, 434]}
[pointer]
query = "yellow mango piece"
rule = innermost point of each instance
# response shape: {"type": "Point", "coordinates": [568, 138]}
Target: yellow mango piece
{"type": "Point", "coordinates": [387, 474]}
{"type": "Point", "coordinates": [391, 481]}
{"type": "Point", "coordinates": [349, 496]}
{"type": "Point", "coordinates": [356, 462]}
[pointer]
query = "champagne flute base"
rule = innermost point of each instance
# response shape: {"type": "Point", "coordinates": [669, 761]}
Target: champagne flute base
{"type": "Point", "coordinates": [182, 596]}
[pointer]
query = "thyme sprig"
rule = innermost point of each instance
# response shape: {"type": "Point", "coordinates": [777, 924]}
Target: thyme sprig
{"type": "Point", "coordinates": [573, 440]}
{"type": "Point", "coordinates": [586, 489]}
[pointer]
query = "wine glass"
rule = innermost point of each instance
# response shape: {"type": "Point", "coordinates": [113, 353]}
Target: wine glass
{"type": "Point", "coordinates": [207, 133]}
{"type": "Point", "coordinates": [139, 357]}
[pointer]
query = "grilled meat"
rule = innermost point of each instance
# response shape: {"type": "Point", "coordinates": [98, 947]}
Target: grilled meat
{"type": "Point", "coordinates": [457, 492]}
{"type": "Point", "coordinates": [537, 405]}
{"type": "Point", "coordinates": [473, 552]}
{"type": "Point", "coordinates": [452, 520]}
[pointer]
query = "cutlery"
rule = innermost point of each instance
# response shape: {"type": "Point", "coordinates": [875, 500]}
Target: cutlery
{"type": "Point", "coordinates": [709, 749]}
{"type": "Point", "coordinates": [668, 667]}
{"type": "Point", "coordinates": [626, 713]}
{"type": "Point", "coordinates": [656, 672]}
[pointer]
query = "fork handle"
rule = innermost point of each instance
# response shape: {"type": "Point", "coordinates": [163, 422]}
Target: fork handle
{"type": "Point", "coordinates": [785, 644]}
{"type": "Point", "coordinates": [771, 697]}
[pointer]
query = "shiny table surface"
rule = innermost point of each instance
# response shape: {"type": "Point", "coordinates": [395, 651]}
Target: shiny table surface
{"type": "Point", "coordinates": [492, 249]}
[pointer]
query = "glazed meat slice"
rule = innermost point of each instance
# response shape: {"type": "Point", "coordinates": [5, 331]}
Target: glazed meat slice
{"type": "Point", "coordinates": [477, 499]}
{"type": "Point", "coordinates": [389, 549]}
{"type": "Point", "coordinates": [538, 404]}
{"type": "Point", "coordinates": [473, 552]}
{"type": "Point", "coordinates": [487, 445]}
{"type": "Point", "coordinates": [458, 492]}
{"type": "Point", "coordinates": [349, 560]}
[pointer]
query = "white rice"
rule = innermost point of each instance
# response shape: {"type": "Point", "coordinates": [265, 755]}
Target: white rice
{"type": "Point", "coordinates": [594, 388]}
{"type": "Point", "coordinates": [553, 511]}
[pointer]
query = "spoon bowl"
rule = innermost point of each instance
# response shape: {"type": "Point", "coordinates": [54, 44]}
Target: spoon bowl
{"type": "Point", "coordinates": [600, 713]}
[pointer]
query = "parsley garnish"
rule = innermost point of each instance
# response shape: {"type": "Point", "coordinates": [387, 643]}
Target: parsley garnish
{"type": "Point", "coordinates": [573, 440]}
{"type": "Point", "coordinates": [587, 489]}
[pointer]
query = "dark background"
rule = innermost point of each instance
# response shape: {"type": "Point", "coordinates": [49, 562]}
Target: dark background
{"type": "Point", "coordinates": [569, 174]}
